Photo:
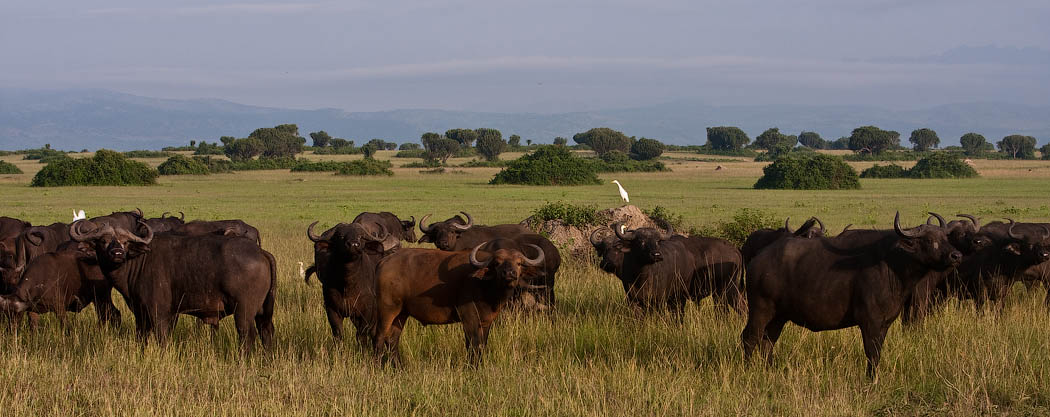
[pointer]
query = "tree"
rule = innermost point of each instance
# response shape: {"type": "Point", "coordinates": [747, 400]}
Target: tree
{"type": "Point", "coordinates": [973, 144]}
{"type": "Point", "coordinates": [514, 141]}
{"type": "Point", "coordinates": [409, 146]}
{"type": "Point", "coordinates": [726, 138]}
{"type": "Point", "coordinates": [465, 137]}
{"type": "Point", "coordinates": [924, 139]}
{"type": "Point", "coordinates": [873, 140]}
{"type": "Point", "coordinates": [560, 141]}
{"type": "Point", "coordinates": [1018, 146]}
{"type": "Point", "coordinates": [340, 143]}
{"type": "Point", "coordinates": [369, 150]}
{"type": "Point", "coordinates": [839, 144]}
{"type": "Point", "coordinates": [279, 141]}
{"type": "Point", "coordinates": [603, 139]}
{"type": "Point", "coordinates": [321, 139]}
{"type": "Point", "coordinates": [242, 149]}
{"type": "Point", "coordinates": [193, 143]}
{"type": "Point", "coordinates": [812, 140]}
{"type": "Point", "coordinates": [440, 148]}
{"type": "Point", "coordinates": [645, 149]}
{"type": "Point", "coordinates": [528, 142]}
{"type": "Point", "coordinates": [490, 145]}
{"type": "Point", "coordinates": [1045, 151]}
{"type": "Point", "coordinates": [773, 139]}
{"type": "Point", "coordinates": [226, 140]}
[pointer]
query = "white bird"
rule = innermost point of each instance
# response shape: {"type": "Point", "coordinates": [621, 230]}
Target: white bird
{"type": "Point", "coordinates": [78, 216]}
{"type": "Point", "coordinates": [623, 192]}
{"type": "Point", "coordinates": [302, 272]}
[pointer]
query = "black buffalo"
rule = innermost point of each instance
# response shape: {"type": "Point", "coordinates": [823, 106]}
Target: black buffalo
{"type": "Point", "coordinates": [219, 227]}
{"type": "Point", "coordinates": [991, 271]}
{"type": "Point", "coordinates": [823, 284]}
{"type": "Point", "coordinates": [762, 238]}
{"type": "Point", "coordinates": [166, 223]}
{"type": "Point", "coordinates": [11, 229]}
{"type": "Point", "coordinates": [206, 276]}
{"type": "Point", "coordinates": [345, 259]}
{"type": "Point", "coordinates": [395, 227]}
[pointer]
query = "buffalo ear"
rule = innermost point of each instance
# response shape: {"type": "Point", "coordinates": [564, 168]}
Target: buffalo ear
{"type": "Point", "coordinates": [136, 249]}
{"type": "Point", "coordinates": [480, 274]}
{"type": "Point", "coordinates": [374, 247]}
{"type": "Point", "coordinates": [85, 252]}
{"type": "Point", "coordinates": [321, 246]}
{"type": "Point", "coordinates": [1013, 248]}
{"type": "Point", "coordinates": [425, 238]}
{"type": "Point", "coordinates": [908, 245]}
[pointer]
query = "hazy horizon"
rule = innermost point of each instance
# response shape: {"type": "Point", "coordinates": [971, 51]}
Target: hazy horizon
{"type": "Point", "coordinates": [540, 57]}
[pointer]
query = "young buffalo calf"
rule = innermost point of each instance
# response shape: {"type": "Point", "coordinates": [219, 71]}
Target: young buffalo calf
{"type": "Point", "coordinates": [439, 287]}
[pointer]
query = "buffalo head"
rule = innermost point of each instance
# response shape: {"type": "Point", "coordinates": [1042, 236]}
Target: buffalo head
{"type": "Point", "coordinates": [927, 244]}
{"type": "Point", "coordinates": [1028, 248]}
{"type": "Point", "coordinates": [112, 244]}
{"type": "Point", "coordinates": [644, 243]}
{"type": "Point", "coordinates": [508, 265]}
{"type": "Point", "coordinates": [444, 234]}
{"type": "Point", "coordinates": [350, 241]}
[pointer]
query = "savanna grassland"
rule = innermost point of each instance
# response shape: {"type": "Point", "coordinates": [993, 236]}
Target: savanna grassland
{"type": "Point", "coordinates": [592, 357]}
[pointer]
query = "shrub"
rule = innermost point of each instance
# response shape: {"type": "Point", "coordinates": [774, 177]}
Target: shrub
{"type": "Point", "coordinates": [147, 154]}
{"type": "Point", "coordinates": [426, 163]}
{"type": "Point", "coordinates": [941, 165]}
{"type": "Point", "coordinates": [887, 156]}
{"type": "Point", "coordinates": [603, 139]}
{"type": "Point", "coordinates": [726, 138]}
{"type": "Point", "coordinates": [808, 171]}
{"type": "Point", "coordinates": [264, 163]}
{"type": "Point", "coordinates": [52, 158]}
{"type": "Point", "coordinates": [664, 217]}
{"type": "Point", "coordinates": [366, 167]}
{"type": "Point", "coordinates": [548, 165]}
{"type": "Point", "coordinates": [645, 149]}
{"type": "Point", "coordinates": [629, 165]}
{"type": "Point", "coordinates": [490, 144]}
{"type": "Point", "coordinates": [410, 153]}
{"type": "Point", "coordinates": [243, 149]}
{"type": "Point", "coordinates": [42, 153]}
{"type": "Point", "coordinates": [474, 163]}
{"type": "Point", "coordinates": [369, 151]}
{"type": "Point", "coordinates": [9, 168]}
{"type": "Point", "coordinates": [307, 166]}
{"type": "Point", "coordinates": [409, 146]}
{"type": "Point", "coordinates": [885, 171]}
{"type": "Point", "coordinates": [745, 222]}
{"type": "Point", "coordinates": [181, 165]}
{"type": "Point", "coordinates": [708, 150]}
{"type": "Point", "coordinates": [215, 165]}
{"type": "Point", "coordinates": [568, 214]}
{"type": "Point", "coordinates": [614, 157]}
{"type": "Point", "coordinates": [105, 168]}
{"type": "Point", "coordinates": [205, 148]}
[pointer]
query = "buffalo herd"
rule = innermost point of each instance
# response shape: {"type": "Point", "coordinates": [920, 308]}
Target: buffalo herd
{"type": "Point", "coordinates": [165, 267]}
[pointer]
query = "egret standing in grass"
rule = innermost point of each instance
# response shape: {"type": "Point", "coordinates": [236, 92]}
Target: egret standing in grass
{"type": "Point", "coordinates": [302, 272]}
{"type": "Point", "coordinates": [623, 192]}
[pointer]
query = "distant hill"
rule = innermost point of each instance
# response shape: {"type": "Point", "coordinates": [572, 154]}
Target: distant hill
{"type": "Point", "coordinates": [78, 119]}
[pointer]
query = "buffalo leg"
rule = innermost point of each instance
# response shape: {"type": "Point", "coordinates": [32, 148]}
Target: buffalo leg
{"type": "Point", "coordinates": [363, 331]}
{"type": "Point", "coordinates": [758, 317]}
{"type": "Point", "coordinates": [773, 329]}
{"type": "Point", "coordinates": [106, 311]}
{"type": "Point", "coordinates": [244, 321]}
{"type": "Point", "coordinates": [388, 333]}
{"type": "Point", "coordinates": [335, 321]}
{"type": "Point", "coordinates": [873, 335]}
{"type": "Point", "coordinates": [162, 329]}
{"type": "Point", "coordinates": [264, 324]}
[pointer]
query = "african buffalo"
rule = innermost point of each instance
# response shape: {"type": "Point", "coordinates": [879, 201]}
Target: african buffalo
{"type": "Point", "coordinates": [345, 259]}
{"type": "Point", "coordinates": [219, 227]}
{"type": "Point", "coordinates": [823, 284]}
{"type": "Point", "coordinates": [166, 223]}
{"type": "Point", "coordinates": [10, 231]}
{"type": "Point", "coordinates": [762, 238]}
{"type": "Point", "coordinates": [399, 229]}
{"type": "Point", "coordinates": [990, 272]}
{"type": "Point", "coordinates": [34, 241]}
{"type": "Point", "coordinates": [207, 276]}
{"type": "Point", "coordinates": [67, 279]}
{"type": "Point", "coordinates": [965, 237]}
{"type": "Point", "coordinates": [439, 287]}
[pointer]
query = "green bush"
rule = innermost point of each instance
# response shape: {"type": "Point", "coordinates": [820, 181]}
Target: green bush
{"type": "Point", "coordinates": [568, 214]}
{"type": "Point", "coordinates": [9, 168]}
{"type": "Point", "coordinates": [47, 159]}
{"type": "Point", "coordinates": [629, 165]}
{"type": "Point", "coordinates": [548, 165]}
{"type": "Point", "coordinates": [808, 171]}
{"type": "Point", "coordinates": [475, 163]}
{"type": "Point", "coordinates": [342, 150]}
{"type": "Point", "coordinates": [105, 168]}
{"type": "Point", "coordinates": [41, 153]}
{"type": "Point", "coordinates": [645, 149]}
{"type": "Point", "coordinates": [426, 163]}
{"type": "Point", "coordinates": [708, 150]}
{"type": "Point", "coordinates": [745, 222]}
{"type": "Point", "coordinates": [410, 153]}
{"type": "Point", "coordinates": [941, 165]}
{"type": "Point", "coordinates": [147, 154]}
{"type": "Point", "coordinates": [264, 163]}
{"type": "Point", "coordinates": [215, 165]}
{"type": "Point", "coordinates": [366, 167]}
{"type": "Point", "coordinates": [885, 171]}
{"type": "Point", "coordinates": [181, 165]}
{"type": "Point", "coordinates": [664, 217]}
{"type": "Point", "coordinates": [615, 156]}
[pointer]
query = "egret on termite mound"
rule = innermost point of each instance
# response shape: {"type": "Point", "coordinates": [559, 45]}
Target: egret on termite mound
{"type": "Point", "coordinates": [623, 192]}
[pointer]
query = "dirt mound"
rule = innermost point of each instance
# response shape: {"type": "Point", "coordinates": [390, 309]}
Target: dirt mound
{"type": "Point", "coordinates": [576, 241]}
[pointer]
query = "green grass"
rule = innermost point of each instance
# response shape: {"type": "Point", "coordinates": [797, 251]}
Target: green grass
{"type": "Point", "coordinates": [594, 357]}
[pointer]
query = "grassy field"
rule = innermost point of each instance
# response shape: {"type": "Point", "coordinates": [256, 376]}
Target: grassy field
{"type": "Point", "coordinates": [592, 357]}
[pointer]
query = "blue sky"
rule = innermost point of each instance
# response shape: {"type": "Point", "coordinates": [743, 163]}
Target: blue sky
{"type": "Point", "coordinates": [538, 56]}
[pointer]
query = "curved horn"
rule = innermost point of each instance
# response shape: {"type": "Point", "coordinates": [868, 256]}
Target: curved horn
{"type": "Point", "coordinates": [538, 260]}
{"type": "Point", "coordinates": [474, 257]}
{"type": "Point", "coordinates": [844, 229]}
{"type": "Point", "coordinates": [412, 222]}
{"type": "Point", "coordinates": [593, 241]}
{"type": "Point", "coordinates": [35, 237]}
{"type": "Point", "coordinates": [1010, 231]}
{"type": "Point", "coordinates": [976, 221]}
{"type": "Point", "coordinates": [820, 223]}
{"type": "Point", "coordinates": [424, 229]}
{"type": "Point", "coordinates": [470, 222]}
{"type": "Point", "coordinates": [138, 212]}
{"type": "Point", "coordinates": [147, 239]}
{"type": "Point", "coordinates": [182, 216]}
{"type": "Point", "coordinates": [165, 214]}
{"type": "Point", "coordinates": [78, 235]}
{"type": "Point", "coordinates": [310, 233]}
{"type": "Point", "coordinates": [383, 235]}
{"type": "Point", "coordinates": [938, 217]}
{"type": "Point", "coordinates": [618, 228]}
{"type": "Point", "coordinates": [667, 234]}
{"type": "Point", "coordinates": [787, 224]}
{"type": "Point", "coordinates": [897, 227]}
{"type": "Point", "coordinates": [1046, 232]}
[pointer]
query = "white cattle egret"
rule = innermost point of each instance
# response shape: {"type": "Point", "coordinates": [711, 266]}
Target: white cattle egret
{"type": "Point", "coordinates": [623, 192]}
{"type": "Point", "coordinates": [78, 216]}
{"type": "Point", "coordinates": [302, 272]}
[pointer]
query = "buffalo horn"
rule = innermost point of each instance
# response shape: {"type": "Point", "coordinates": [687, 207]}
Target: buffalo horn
{"type": "Point", "coordinates": [138, 212]}
{"type": "Point", "coordinates": [79, 236]}
{"type": "Point", "coordinates": [425, 229]}
{"type": "Point", "coordinates": [938, 217]}
{"type": "Point", "coordinates": [1046, 232]}
{"type": "Point", "coordinates": [897, 227]}
{"type": "Point", "coordinates": [412, 222]}
{"type": "Point", "coordinates": [1010, 231]}
{"type": "Point", "coordinates": [844, 229]}
{"type": "Point", "coordinates": [470, 222]}
{"type": "Point", "coordinates": [474, 257]}
{"type": "Point", "coordinates": [382, 235]}
{"type": "Point", "coordinates": [310, 232]}
{"type": "Point", "coordinates": [593, 234]}
{"type": "Point", "coordinates": [165, 214]}
{"type": "Point", "coordinates": [538, 260]}
{"type": "Point", "coordinates": [147, 239]}
{"type": "Point", "coordinates": [182, 216]}
{"type": "Point", "coordinates": [976, 222]}
{"type": "Point", "coordinates": [35, 237]}
{"type": "Point", "coordinates": [787, 224]}
{"type": "Point", "coordinates": [820, 223]}
{"type": "Point", "coordinates": [620, 233]}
